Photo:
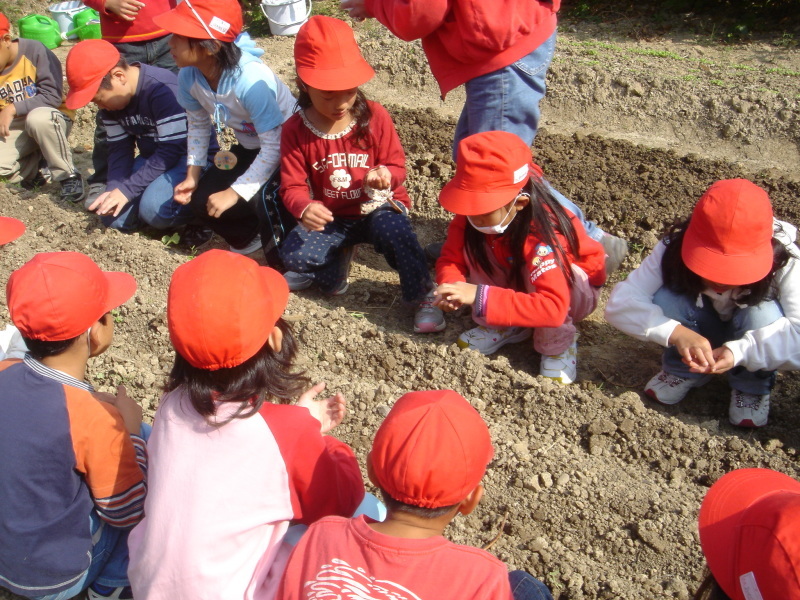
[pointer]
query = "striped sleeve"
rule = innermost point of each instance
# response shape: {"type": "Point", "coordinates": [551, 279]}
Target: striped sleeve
{"type": "Point", "coordinates": [171, 128]}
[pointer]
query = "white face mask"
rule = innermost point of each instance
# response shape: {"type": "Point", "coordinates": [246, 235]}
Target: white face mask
{"type": "Point", "coordinates": [495, 229]}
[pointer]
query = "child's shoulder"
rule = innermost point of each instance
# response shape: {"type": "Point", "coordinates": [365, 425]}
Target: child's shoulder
{"type": "Point", "coordinates": [30, 48]}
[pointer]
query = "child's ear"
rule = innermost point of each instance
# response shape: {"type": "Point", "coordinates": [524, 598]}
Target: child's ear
{"type": "Point", "coordinates": [521, 201]}
{"type": "Point", "coordinates": [275, 339]}
{"type": "Point", "coordinates": [471, 501]}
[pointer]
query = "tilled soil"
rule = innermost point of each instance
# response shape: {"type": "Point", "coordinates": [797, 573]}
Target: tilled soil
{"type": "Point", "coordinates": [593, 488]}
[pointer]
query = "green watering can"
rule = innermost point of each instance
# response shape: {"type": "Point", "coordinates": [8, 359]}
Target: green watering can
{"type": "Point", "coordinates": [39, 27]}
{"type": "Point", "coordinates": [86, 25]}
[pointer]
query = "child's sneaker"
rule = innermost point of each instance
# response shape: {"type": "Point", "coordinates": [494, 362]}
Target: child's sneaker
{"type": "Point", "coordinates": [616, 251]}
{"type": "Point", "coordinates": [101, 592]}
{"type": "Point", "coordinates": [298, 281]}
{"type": "Point", "coordinates": [669, 389]}
{"type": "Point", "coordinates": [253, 246]}
{"type": "Point", "coordinates": [72, 189]}
{"type": "Point", "coordinates": [487, 340]}
{"type": "Point", "coordinates": [561, 367]}
{"type": "Point", "coordinates": [748, 410]}
{"type": "Point", "coordinates": [429, 318]}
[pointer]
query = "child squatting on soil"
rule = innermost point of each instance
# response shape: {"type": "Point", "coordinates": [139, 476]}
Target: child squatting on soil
{"type": "Point", "coordinates": [515, 255]}
{"type": "Point", "coordinates": [11, 344]}
{"type": "Point", "coordinates": [722, 292]}
{"type": "Point", "coordinates": [749, 527]}
{"type": "Point", "coordinates": [222, 76]}
{"type": "Point", "coordinates": [72, 478]}
{"type": "Point", "coordinates": [342, 170]}
{"type": "Point", "coordinates": [139, 110]}
{"type": "Point", "coordinates": [230, 469]}
{"type": "Point", "coordinates": [428, 458]}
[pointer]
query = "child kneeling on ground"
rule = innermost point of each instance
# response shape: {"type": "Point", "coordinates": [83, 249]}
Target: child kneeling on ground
{"type": "Point", "coordinates": [515, 255]}
{"type": "Point", "coordinates": [428, 458]}
{"type": "Point", "coordinates": [722, 292]}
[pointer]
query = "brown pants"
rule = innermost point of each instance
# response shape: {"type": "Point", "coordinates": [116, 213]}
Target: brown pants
{"type": "Point", "coordinates": [41, 133]}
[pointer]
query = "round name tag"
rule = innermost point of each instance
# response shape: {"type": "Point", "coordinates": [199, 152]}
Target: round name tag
{"type": "Point", "coordinates": [225, 160]}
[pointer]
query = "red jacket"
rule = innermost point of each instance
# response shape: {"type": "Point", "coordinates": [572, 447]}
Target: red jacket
{"type": "Point", "coordinates": [119, 31]}
{"type": "Point", "coordinates": [464, 39]}
{"type": "Point", "coordinates": [546, 301]}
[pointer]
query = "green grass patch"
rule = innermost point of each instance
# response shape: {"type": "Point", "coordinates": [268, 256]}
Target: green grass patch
{"type": "Point", "coordinates": [655, 53]}
{"type": "Point", "coordinates": [717, 82]}
{"type": "Point", "coordinates": [782, 71]}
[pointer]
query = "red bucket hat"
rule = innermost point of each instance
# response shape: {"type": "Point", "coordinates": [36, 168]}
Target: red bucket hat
{"type": "Point", "coordinates": [491, 169]}
{"type": "Point", "coordinates": [10, 229]}
{"type": "Point", "coordinates": [327, 57]}
{"type": "Point", "coordinates": [750, 534]}
{"type": "Point", "coordinates": [729, 238]}
{"type": "Point", "coordinates": [431, 450]}
{"type": "Point", "coordinates": [56, 296]}
{"type": "Point", "coordinates": [222, 307]}
{"type": "Point", "coordinates": [87, 63]}
{"type": "Point", "coordinates": [203, 19]}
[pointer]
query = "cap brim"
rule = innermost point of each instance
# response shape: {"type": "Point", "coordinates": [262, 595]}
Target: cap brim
{"type": "Point", "coordinates": [725, 268]}
{"type": "Point", "coordinates": [79, 98]}
{"type": "Point", "coordinates": [10, 229]}
{"type": "Point", "coordinates": [459, 201]}
{"type": "Point", "coordinates": [722, 509]}
{"type": "Point", "coordinates": [176, 21]}
{"type": "Point", "coordinates": [121, 288]}
{"type": "Point", "coordinates": [335, 80]}
{"type": "Point", "coordinates": [279, 289]}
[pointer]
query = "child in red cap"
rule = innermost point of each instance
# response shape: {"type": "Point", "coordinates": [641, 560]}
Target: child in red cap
{"type": "Point", "coordinates": [750, 534]}
{"type": "Point", "coordinates": [222, 77]}
{"type": "Point", "coordinates": [72, 478]}
{"type": "Point", "coordinates": [342, 170]}
{"type": "Point", "coordinates": [428, 458]}
{"type": "Point", "coordinates": [229, 468]}
{"type": "Point", "coordinates": [722, 293]}
{"type": "Point", "coordinates": [515, 255]}
{"type": "Point", "coordinates": [34, 123]}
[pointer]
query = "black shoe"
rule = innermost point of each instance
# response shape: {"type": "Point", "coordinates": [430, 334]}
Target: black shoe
{"type": "Point", "coordinates": [36, 182]}
{"type": "Point", "coordinates": [72, 188]}
{"type": "Point", "coordinates": [433, 252]}
{"type": "Point", "coordinates": [194, 236]}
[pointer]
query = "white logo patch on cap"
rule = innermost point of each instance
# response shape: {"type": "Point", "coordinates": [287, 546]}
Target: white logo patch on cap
{"type": "Point", "coordinates": [520, 174]}
{"type": "Point", "coordinates": [218, 24]}
{"type": "Point", "coordinates": [750, 587]}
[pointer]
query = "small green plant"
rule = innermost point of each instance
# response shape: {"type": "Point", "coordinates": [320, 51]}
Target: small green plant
{"type": "Point", "coordinates": [689, 77]}
{"type": "Point", "coordinates": [655, 53]}
{"type": "Point", "coordinates": [118, 318]}
{"type": "Point", "coordinates": [781, 71]}
{"type": "Point", "coordinates": [171, 240]}
{"type": "Point", "coordinates": [786, 41]}
{"type": "Point", "coordinates": [717, 82]}
{"type": "Point", "coordinates": [636, 247]}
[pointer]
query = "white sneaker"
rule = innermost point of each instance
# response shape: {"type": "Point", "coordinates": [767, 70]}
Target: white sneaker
{"type": "Point", "coordinates": [561, 367]}
{"type": "Point", "coordinates": [669, 389]}
{"type": "Point", "coordinates": [298, 281]}
{"type": "Point", "coordinates": [488, 341]}
{"type": "Point", "coordinates": [429, 318]}
{"type": "Point", "coordinates": [748, 410]}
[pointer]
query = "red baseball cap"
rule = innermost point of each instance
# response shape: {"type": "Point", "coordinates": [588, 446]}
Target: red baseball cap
{"type": "Point", "coordinates": [750, 534]}
{"type": "Point", "coordinates": [222, 307]}
{"type": "Point", "coordinates": [431, 450]}
{"type": "Point", "coordinates": [729, 237]}
{"type": "Point", "coordinates": [56, 296]}
{"type": "Point", "coordinates": [491, 169]}
{"type": "Point", "coordinates": [87, 63]}
{"type": "Point", "coordinates": [203, 20]}
{"type": "Point", "coordinates": [10, 229]}
{"type": "Point", "coordinates": [5, 26]}
{"type": "Point", "coordinates": [327, 57]}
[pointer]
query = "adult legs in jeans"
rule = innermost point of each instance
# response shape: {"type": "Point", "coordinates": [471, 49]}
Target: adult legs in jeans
{"type": "Point", "coordinates": [746, 319]}
{"type": "Point", "coordinates": [507, 99]}
{"type": "Point", "coordinates": [525, 586]}
{"type": "Point", "coordinates": [155, 207]}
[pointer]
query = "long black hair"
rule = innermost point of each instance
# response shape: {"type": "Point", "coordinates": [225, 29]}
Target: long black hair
{"type": "Point", "coordinates": [226, 54]}
{"type": "Point", "coordinates": [265, 375]}
{"type": "Point", "coordinates": [361, 113]}
{"type": "Point", "coordinates": [543, 217]}
{"type": "Point", "coordinates": [682, 280]}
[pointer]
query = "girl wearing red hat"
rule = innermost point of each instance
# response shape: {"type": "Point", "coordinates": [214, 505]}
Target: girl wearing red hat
{"type": "Point", "coordinates": [342, 171]}
{"type": "Point", "coordinates": [222, 77]}
{"type": "Point", "coordinates": [515, 255]}
{"type": "Point", "coordinates": [722, 293]}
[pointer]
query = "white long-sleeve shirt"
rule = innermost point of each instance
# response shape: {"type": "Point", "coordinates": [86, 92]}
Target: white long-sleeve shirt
{"type": "Point", "coordinates": [777, 346]}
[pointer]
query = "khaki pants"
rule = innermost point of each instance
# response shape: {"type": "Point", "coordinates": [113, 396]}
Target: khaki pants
{"type": "Point", "coordinates": [41, 133]}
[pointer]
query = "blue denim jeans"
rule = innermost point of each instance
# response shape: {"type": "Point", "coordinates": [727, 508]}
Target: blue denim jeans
{"type": "Point", "coordinates": [705, 321]}
{"type": "Point", "coordinates": [507, 99]}
{"type": "Point", "coordinates": [155, 207]}
{"type": "Point", "coordinates": [592, 230]}
{"type": "Point", "coordinates": [525, 586]}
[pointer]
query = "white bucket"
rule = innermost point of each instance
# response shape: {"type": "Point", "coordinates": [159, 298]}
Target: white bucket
{"type": "Point", "coordinates": [285, 16]}
{"type": "Point", "coordinates": [63, 13]}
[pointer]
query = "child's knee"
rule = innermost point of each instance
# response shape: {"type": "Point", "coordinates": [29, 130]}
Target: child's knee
{"type": "Point", "coordinates": [679, 307]}
{"type": "Point", "coordinates": [756, 317]}
{"type": "Point", "coordinates": [39, 119]}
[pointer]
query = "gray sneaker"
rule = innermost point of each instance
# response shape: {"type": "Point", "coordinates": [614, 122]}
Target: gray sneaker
{"type": "Point", "coordinates": [298, 281]}
{"type": "Point", "coordinates": [616, 251]}
{"type": "Point", "coordinates": [429, 318]}
{"type": "Point", "coordinates": [95, 189]}
{"type": "Point", "coordinates": [72, 188]}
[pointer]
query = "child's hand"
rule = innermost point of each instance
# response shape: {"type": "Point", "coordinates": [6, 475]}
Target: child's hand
{"type": "Point", "coordinates": [130, 411]}
{"type": "Point", "coordinates": [219, 202]}
{"type": "Point", "coordinates": [316, 216]}
{"type": "Point", "coordinates": [451, 296]}
{"type": "Point", "coordinates": [329, 411]}
{"type": "Point", "coordinates": [182, 194]}
{"type": "Point", "coordinates": [355, 8]}
{"type": "Point", "coordinates": [723, 361]}
{"type": "Point", "coordinates": [694, 349]}
{"type": "Point", "coordinates": [109, 203]}
{"type": "Point", "coordinates": [378, 178]}
{"type": "Point", "coordinates": [124, 9]}
{"type": "Point", "coordinates": [6, 116]}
